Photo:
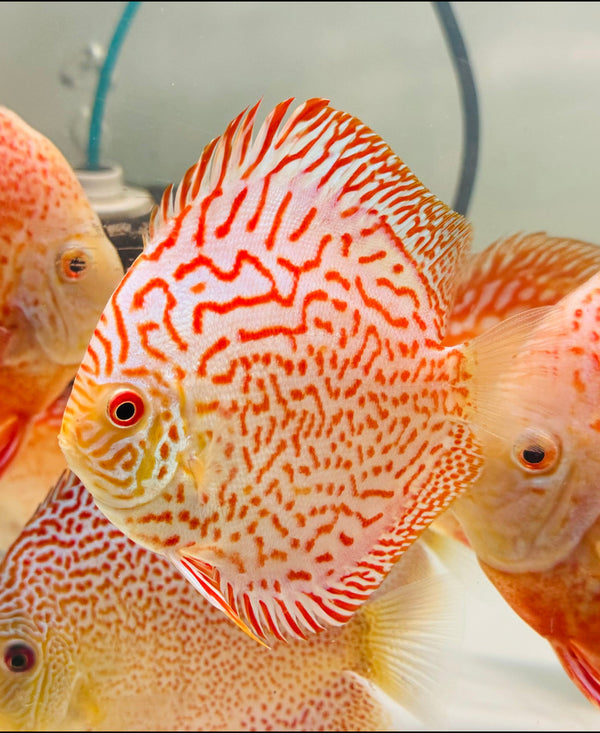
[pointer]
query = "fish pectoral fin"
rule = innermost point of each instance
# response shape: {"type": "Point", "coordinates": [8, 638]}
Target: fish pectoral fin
{"type": "Point", "coordinates": [12, 432]}
{"type": "Point", "coordinates": [456, 555]}
{"type": "Point", "coordinates": [52, 415]}
{"type": "Point", "coordinates": [413, 634]}
{"type": "Point", "coordinates": [581, 668]}
{"type": "Point", "coordinates": [492, 358]}
{"type": "Point", "coordinates": [196, 466]}
{"type": "Point", "coordinates": [204, 578]}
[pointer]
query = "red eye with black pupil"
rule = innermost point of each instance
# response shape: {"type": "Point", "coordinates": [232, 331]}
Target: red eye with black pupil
{"type": "Point", "coordinates": [125, 408]}
{"type": "Point", "coordinates": [19, 658]}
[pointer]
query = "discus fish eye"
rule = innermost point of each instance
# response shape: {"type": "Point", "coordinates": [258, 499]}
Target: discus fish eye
{"type": "Point", "coordinates": [19, 657]}
{"type": "Point", "coordinates": [73, 264]}
{"type": "Point", "coordinates": [536, 451]}
{"type": "Point", "coordinates": [125, 408]}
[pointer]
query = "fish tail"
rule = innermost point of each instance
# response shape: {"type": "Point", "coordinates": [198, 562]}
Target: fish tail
{"type": "Point", "coordinates": [410, 634]}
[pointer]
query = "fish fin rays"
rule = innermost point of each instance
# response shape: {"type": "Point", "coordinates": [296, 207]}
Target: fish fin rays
{"type": "Point", "coordinates": [282, 616]}
{"type": "Point", "coordinates": [12, 435]}
{"type": "Point", "coordinates": [580, 669]}
{"type": "Point", "coordinates": [413, 633]}
{"type": "Point", "coordinates": [222, 158]}
{"type": "Point", "coordinates": [205, 582]}
{"type": "Point", "coordinates": [326, 154]}
{"type": "Point", "coordinates": [517, 272]}
{"type": "Point", "coordinates": [260, 618]}
{"type": "Point", "coordinates": [495, 366]}
{"type": "Point", "coordinates": [456, 555]}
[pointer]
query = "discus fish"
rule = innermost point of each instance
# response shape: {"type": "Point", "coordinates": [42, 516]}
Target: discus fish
{"type": "Point", "coordinates": [97, 633]}
{"type": "Point", "coordinates": [57, 270]}
{"type": "Point", "coordinates": [533, 516]}
{"type": "Point", "coordinates": [266, 399]}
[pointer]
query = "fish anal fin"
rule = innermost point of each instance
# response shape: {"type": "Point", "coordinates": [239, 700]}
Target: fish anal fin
{"type": "Point", "coordinates": [205, 579]}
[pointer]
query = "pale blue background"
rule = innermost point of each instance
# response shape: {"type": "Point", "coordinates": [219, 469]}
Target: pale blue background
{"type": "Point", "coordinates": [188, 68]}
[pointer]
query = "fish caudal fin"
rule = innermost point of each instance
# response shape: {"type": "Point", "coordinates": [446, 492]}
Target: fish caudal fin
{"type": "Point", "coordinates": [412, 634]}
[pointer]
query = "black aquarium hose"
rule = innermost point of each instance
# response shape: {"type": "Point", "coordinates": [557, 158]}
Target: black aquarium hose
{"type": "Point", "coordinates": [469, 105]}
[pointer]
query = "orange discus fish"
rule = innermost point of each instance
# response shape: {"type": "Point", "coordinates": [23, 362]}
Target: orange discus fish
{"type": "Point", "coordinates": [57, 270]}
{"type": "Point", "coordinates": [97, 633]}
{"type": "Point", "coordinates": [533, 516]}
{"type": "Point", "coordinates": [266, 400]}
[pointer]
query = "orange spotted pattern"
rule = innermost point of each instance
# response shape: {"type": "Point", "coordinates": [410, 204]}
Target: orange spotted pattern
{"type": "Point", "coordinates": [122, 642]}
{"type": "Point", "coordinates": [301, 423]}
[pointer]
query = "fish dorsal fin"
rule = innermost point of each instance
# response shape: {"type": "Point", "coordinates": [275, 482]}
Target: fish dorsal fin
{"type": "Point", "coordinates": [28, 163]}
{"type": "Point", "coordinates": [515, 273]}
{"type": "Point", "coordinates": [51, 517]}
{"type": "Point", "coordinates": [331, 156]}
{"type": "Point", "coordinates": [67, 483]}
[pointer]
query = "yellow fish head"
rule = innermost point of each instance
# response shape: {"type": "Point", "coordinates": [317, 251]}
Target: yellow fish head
{"type": "Point", "coordinates": [36, 660]}
{"type": "Point", "coordinates": [124, 441]}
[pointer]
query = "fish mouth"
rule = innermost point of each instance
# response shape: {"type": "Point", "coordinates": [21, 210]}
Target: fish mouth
{"type": "Point", "coordinates": [580, 669]}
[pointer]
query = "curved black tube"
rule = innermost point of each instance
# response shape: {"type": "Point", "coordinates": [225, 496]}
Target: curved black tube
{"type": "Point", "coordinates": [469, 104]}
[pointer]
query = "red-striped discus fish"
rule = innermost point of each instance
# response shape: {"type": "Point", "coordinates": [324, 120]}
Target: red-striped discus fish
{"type": "Point", "coordinates": [97, 633]}
{"type": "Point", "coordinates": [266, 400]}
{"type": "Point", "coordinates": [544, 405]}
{"type": "Point", "coordinates": [533, 516]}
{"type": "Point", "coordinates": [57, 271]}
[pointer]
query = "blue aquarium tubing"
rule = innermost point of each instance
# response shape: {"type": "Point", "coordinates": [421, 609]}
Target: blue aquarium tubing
{"type": "Point", "coordinates": [470, 106]}
{"type": "Point", "coordinates": [95, 136]}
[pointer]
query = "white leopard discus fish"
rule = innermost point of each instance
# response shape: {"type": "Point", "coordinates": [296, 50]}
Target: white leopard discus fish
{"type": "Point", "coordinates": [84, 646]}
{"type": "Point", "coordinates": [266, 399]}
